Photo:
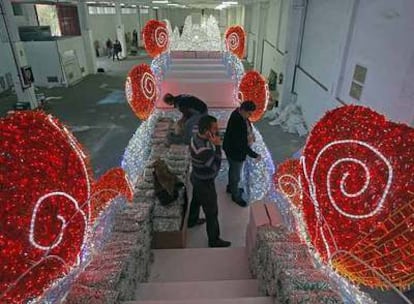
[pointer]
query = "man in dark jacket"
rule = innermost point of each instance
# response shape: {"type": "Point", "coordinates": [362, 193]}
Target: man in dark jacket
{"type": "Point", "coordinates": [205, 151]}
{"type": "Point", "coordinates": [237, 140]}
{"type": "Point", "coordinates": [192, 109]}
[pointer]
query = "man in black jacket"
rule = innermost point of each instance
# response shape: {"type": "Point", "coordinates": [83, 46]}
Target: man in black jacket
{"type": "Point", "coordinates": [192, 109]}
{"type": "Point", "coordinates": [237, 140]}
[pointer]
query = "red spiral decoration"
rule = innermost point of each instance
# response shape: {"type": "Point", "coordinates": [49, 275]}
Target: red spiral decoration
{"type": "Point", "coordinates": [235, 40]}
{"type": "Point", "coordinates": [253, 87]}
{"type": "Point", "coordinates": [287, 180]}
{"type": "Point", "coordinates": [357, 178]}
{"type": "Point", "coordinates": [113, 183]}
{"type": "Point", "coordinates": [45, 183]}
{"type": "Point", "coordinates": [141, 90]}
{"type": "Point", "coordinates": [155, 37]}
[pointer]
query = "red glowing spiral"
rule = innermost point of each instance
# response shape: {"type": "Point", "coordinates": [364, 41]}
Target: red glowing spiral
{"type": "Point", "coordinates": [357, 178]}
{"type": "Point", "coordinates": [253, 87]}
{"type": "Point", "coordinates": [235, 40]}
{"type": "Point", "coordinates": [141, 90]}
{"type": "Point", "coordinates": [155, 37]}
{"type": "Point", "coordinates": [45, 183]}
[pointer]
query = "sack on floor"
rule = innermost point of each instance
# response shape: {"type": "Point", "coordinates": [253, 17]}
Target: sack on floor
{"type": "Point", "coordinates": [166, 184]}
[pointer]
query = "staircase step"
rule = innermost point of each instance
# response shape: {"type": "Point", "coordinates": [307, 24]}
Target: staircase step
{"type": "Point", "coordinates": [196, 66]}
{"type": "Point", "coordinates": [197, 61]}
{"type": "Point", "coordinates": [246, 300]}
{"type": "Point", "coordinates": [210, 74]}
{"type": "Point", "coordinates": [197, 290]}
{"type": "Point", "coordinates": [200, 264]}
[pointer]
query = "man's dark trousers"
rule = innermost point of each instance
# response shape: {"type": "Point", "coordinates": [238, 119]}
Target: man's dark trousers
{"type": "Point", "coordinates": [235, 168]}
{"type": "Point", "coordinates": [205, 195]}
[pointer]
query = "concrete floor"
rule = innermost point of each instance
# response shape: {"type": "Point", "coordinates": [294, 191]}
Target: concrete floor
{"type": "Point", "coordinates": [100, 118]}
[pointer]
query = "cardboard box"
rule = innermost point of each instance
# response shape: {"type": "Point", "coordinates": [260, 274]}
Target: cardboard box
{"type": "Point", "coordinates": [173, 239]}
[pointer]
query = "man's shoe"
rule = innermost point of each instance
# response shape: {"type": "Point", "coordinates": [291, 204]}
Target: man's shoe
{"type": "Point", "coordinates": [241, 202]}
{"type": "Point", "coordinates": [219, 243]}
{"type": "Point", "coordinates": [200, 221]}
{"type": "Point", "coordinates": [241, 190]}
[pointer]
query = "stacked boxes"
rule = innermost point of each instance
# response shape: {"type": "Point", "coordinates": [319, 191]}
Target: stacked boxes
{"type": "Point", "coordinates": [167, 221]}
{"type": "Point", "coordinates": [115, 271]}
{"type": "Point", "coordinates": [282, 264]}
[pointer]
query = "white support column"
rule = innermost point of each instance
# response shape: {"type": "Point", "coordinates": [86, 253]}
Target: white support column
{"type": "Point", "coordinates": [263, 9]}
{"type": "Point", "coordinates": [19, 56]}
{"type": "Point", "coordinates": [120, 29]}
{"type": "Point", "coordinates": [223, 21]}
{"type": "Point", "coordinates": [87, 36]}
{"type": "Point", "coordinates": [139, 25]}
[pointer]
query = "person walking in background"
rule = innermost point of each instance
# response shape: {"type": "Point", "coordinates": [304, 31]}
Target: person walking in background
{"type": "Point", "coordinates": [135, 38]}
{"type": "Point", "coordinates": [109, 48]}
{"type": "Point", "coordinates": [116, 49]}
{"type": "Point", "coordinates": [237, 140]}
{"type": "Point", "coordinates": [205, 149]}
{"type": "Point", "coordinates": [192, 109]}
{"type": "Point", "coordinates": [96, 46]}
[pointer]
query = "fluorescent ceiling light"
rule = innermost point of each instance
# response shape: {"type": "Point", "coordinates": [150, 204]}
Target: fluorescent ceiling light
{"type": "Point", "coordinates": [155, 7]}
{"type": "Point", "coordinates": [160, 1]}
{"type": "Point", "coordinates": [230, 2]}
{"type": "Point", "coordinates": [220, 6]}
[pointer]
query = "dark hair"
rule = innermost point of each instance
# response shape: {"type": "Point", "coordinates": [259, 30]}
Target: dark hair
{"type": "Point", "coordinates": [248, 106]}
{"type": "Point", "coordinates": [168, 99]}
{"type": "Point", "coordinates": [205, 123]}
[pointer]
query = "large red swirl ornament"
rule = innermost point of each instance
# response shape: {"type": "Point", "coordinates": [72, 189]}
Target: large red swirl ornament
{"type": "Point", "coordinates": [46, 185]}
{"type": "Point", "coordinates": [358, 202]}
{"type": "Point", "coordinates": [141, 90]}
{"type": "Point", "coordinates": [113, 183]}
{"type": "Point", "coordinates": [235, 40]}
{"type": "Point", "coordinates": [253, 87]}
{"type": "Point", "coordinates": [45, 181]}
{"type": "Point", "coordinates": [155, 37]}
{"type": "Point", "coordinates": [287, 180]}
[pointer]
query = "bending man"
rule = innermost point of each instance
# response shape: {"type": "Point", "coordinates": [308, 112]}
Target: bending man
{"type": "Point", "coordinates": [192, 108]}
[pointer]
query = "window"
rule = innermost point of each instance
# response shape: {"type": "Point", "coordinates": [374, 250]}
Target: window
{"type": "Point", "coordinates": [101, 10]}
{"type": "Point", "coordinates": [47, 16]}
{"type": "Point", "coordinates": [68, 19]}
{"type": "Point", "coordinates": [128, 10]}
{"type": "Point", "coordinates": [93, 10]}
{"type": "Point", "coordinates": [17, 9]}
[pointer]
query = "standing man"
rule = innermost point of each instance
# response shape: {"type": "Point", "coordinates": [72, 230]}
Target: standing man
{"type": "Point", "coordinates": [117, 48]}
{"type": "Point", "coordinates": [237, 140]}
{"type": "Point", "coordinates": [192, 109]}
{"type": "Point", "coordinates": [109, 48]}
{"type": "Point", "coordinates": [135, 38]}
{"type": "Point", "coordinates": [206, 160]}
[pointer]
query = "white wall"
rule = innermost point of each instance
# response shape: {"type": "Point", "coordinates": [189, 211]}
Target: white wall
{"type": "Point", "coordinates": [340, 34]}
{"type": "Point", "coordinates": [379, 42]}
{"type": "Point", "coordinates": [177, 16]}
{"type": "Point", "coordinates": [275, 48]}
{"type": "Point", "coordinates": [324, 37]}
{"type": "Point", "coordinates": [29, 15]}
{"type": "Point", "coordinates": [6, 59]}
{"type": "Point", "coordinates": [252, 30]}
{"type": "Point", "coordinates": [39, 53]}
{"type": "Point", "coordinates": [104, 26]}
